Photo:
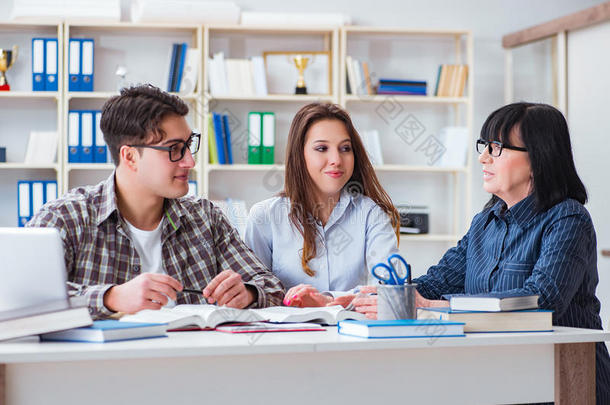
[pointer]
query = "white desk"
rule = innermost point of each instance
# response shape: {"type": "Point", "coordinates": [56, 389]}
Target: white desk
{"type": "Point", "coordinates": [303, 368]}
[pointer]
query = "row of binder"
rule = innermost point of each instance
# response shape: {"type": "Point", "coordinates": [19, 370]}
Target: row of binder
{"type": "Point", "coordinates": [80, 64]}
{"type": "Point", "coordinates": [261, 138]}
{"type": "Point", "coordinates": [44, 64]}
{"type": "Point", "coordinates": [31, 196]}
{"type": "Point", "coordinates": [85, 139]}
{"type": "Point", "coordinates": [176, 67]}
{"type": "Point", "coordinates": [219, 139]}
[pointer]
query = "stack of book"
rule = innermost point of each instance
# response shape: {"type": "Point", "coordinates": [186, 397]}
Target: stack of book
{"type": "Point", "coordinates": [402, 87]}
{"type": "Point", "coordinates": [358, 77]}
{"type": "Point", "coordinates": [493, 313]}
{"type": "Point", "coordinates": [183, 68]}
{"type": "Point", "coordinates": [237, 77]}
{"type": "Point", "coordinates": [219, 139]}
{"type": "Point", "coordinates": [451, 80]}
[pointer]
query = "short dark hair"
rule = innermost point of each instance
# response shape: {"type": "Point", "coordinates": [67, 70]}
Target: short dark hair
{"type": "Point", "coordinates": [544, 131]}
{"type": "Point", "coordinates": [136, 114]}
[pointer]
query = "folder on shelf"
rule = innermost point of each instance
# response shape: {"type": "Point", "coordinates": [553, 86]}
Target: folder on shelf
{"type": "Point", "coordinates": [192, 189]}
{"type": "Point", "coordinates": [254, 138]}
{"type": "Point", "coordinates": [100, 154]}
{"type": "Point", "coordinates": [37, 196]}
{"type": "Point", "coordinates": [268, 138]}
{"type": "Point", "coordinates": [73, 136]}
{"type": "Point", "coordinates": [220, 141]}
{"type": "Point", "coordinates": [50, 190]}
{"type": "Point", "coordinates": [38, 63]}
{"type": "Point", "coordinates": [181, 57]}
{"type": "Point", "coordinates": [86, 138]}
{"type": "Point", "coordinates": [74, 65]}
{"type": "Point", "coordinates": [212, 149]}
{"type": "Point", "coordinates": [87, 65]}
{"type": "Point", "coordinates": [24, 207]}
{"type": "Point", "coordinates": [172, 68]}
{"type": "Point", "coordinates": [51, 64]}
{"type": "Point", "coordinates": [227, 138]}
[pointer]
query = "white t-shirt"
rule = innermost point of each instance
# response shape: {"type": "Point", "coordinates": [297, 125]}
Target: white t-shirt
{"type": "Point", "coordinates": [148, 246]}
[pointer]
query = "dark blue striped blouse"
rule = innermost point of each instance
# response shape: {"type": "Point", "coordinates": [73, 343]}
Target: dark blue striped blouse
{"type": "Point", "coordinates": [551, 253]}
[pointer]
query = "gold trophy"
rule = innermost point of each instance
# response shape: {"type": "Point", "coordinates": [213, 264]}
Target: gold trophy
{"type": "Point", "coordinates": [7, 58]}
{"type": "Point", "coordinates": [301, 63]}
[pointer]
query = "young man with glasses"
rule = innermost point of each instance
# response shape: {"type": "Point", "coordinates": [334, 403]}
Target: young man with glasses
{"type": "Point", "coordinates": [132, 242]}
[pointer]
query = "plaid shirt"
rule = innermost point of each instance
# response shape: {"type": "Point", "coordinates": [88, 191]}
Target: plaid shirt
{"type": "Point", "coordinates": [197, 243]}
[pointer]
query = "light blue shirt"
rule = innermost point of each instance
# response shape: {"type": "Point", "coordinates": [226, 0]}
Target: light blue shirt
{"type": "Point", "coordinates": [357, 236]}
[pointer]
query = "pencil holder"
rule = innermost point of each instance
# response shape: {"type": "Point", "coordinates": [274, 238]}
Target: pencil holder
{"type": "Point", "coordinates": [396, 301]}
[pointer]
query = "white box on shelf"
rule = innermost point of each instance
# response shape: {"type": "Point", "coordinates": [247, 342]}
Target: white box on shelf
{"type": "Point", "coordinates": [185, 12]}
{"type": "Point", "coordinates": [66, 10]}
{"type": "Point", "coordinates": [455, 141]}
{"type": "Point", "coordinates": [42, 148]}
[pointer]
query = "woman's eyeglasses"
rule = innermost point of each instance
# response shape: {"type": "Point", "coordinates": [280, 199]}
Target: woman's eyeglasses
{"type": "Point", "coordinates": [495, 148]}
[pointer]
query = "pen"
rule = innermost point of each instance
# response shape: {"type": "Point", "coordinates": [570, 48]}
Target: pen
{"type": "Point", "coordinates": [190, 291]}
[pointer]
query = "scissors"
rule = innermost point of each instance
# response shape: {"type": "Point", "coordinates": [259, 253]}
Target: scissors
{"type": "Point", "coordinates": [396, 272]}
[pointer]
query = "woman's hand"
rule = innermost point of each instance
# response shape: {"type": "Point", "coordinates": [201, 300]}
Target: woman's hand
{"type": "Point", "coordinates": [304, 295]}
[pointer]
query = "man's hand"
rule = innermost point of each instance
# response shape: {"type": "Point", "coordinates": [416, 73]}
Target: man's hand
{"type": "Point", "coordinates": [304, 295]}
{"type": "Point", "coordinates": [227, 288]}
{"type": "Point", "coordinates": [147, 291]}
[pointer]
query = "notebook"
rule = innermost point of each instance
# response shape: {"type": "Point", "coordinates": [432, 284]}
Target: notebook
{"type": "Point", "coordinates": [497, 301]}
{"type": "Point", "coordinates": [107, 331]}
{"type": "Point", "coordinates": [401, 328]}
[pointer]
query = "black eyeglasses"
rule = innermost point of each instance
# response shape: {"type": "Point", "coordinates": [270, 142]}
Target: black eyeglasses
{"type": "Point", "coordinates": [177, 150]}
{"type": "Point", "coordinates": [495, 148]}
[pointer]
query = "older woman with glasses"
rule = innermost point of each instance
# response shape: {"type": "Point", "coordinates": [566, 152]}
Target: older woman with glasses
{"type": "Point", "coordinates": [534, 236]}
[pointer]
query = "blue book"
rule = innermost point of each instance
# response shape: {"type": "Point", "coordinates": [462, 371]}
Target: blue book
{"type": "Point", "coordinates": [172, 63]}
{"type": "Point", "coordinates": [227, 136]}
{"type": "Point", "coordinates": [401, 88]}
{"type": "Point", "coordinates": [492, 302]}
{"type": "Point", "coordinates": [402, 328]}
{"type": "Point", "coordinates": [107, 331]}
{"type": "Point", "coordinates": [220, 138]}
{"type": "Point", "coordinates": [403, 82]}
{"type": "Point", "coordinates": [529, 320]}
{"type": "Point", "coordinates": [182, 48]}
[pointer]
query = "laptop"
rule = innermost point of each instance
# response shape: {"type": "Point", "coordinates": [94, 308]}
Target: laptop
{"type": "Point", "coordinates": [32, 269]}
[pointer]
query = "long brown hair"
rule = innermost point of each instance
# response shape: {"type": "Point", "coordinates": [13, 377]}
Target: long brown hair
{"type": "Point", "coordinates": [298, 184]}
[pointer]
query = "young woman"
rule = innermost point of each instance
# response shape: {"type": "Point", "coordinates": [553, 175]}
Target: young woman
{"type": "Point", "coordinates": [533, 236]}
{"type": "Point", "coordinates": [333, 221]}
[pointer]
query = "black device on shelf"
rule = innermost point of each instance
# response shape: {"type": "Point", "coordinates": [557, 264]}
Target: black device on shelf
{"type": "Point", "coordinates": [414, 219]}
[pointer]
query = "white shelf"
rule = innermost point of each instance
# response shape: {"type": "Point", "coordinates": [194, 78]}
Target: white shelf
{"type": "Point", "coordinates": [380, 98]}
{"type": "Point", "coordinates": [112, 26]}
{"type": "Point", "coordinates": [90, 166]}
{"type": "Point", "coordinates": [30, 94]}
{"type": "Point", "coordinates": [278, 29]}
{"type": "Point", "coordinates": [430, 237]}
{"type": "Point", "coordinates": [28, 166]}
{"type": "Point", "coordinates": [407, 168]}
{"type": "Point", "coordinates": [403, 31]}
{"type": "Point", "coordinates": [107, 94]}
{"type": "Point", "coordinates": [276, 97]}
{"type": "Point", "coordinates": [244, 168]}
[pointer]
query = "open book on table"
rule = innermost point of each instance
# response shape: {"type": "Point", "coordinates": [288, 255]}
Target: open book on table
{"type": "Point", "coordinates": [209, 316]}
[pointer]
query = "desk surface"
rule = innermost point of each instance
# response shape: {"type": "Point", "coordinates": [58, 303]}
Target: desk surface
{"type": "Point", "coordinates": [209, 343]}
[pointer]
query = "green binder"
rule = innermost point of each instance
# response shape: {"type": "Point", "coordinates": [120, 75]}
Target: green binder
{"type": "Point", "coordinates": [268, 138]}
{"type": "Point", "coordinates": [254, 138]}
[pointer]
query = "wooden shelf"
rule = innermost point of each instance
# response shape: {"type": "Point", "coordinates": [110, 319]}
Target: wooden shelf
{"type": "Point", "coordinates": [285, 29]}
{"type": "Point", "coordinates": [244, 168]}
{"type": "Point", "coordinates": [28, 166]}
{"type": "Point", "coordinates": [30, 94]}
{"type": "Point", "coordinates": [112, 26]}
{"type": "Point", "coordinates": [275, 97]}
{"type": "Point", "coordinates": [402, 31]}
{"type": "Point", "coordinates": [380, 98]}
{"type": "Point", "coordinates": [430, 237]}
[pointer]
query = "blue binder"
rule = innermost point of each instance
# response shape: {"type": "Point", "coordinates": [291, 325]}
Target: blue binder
{"type": "Point", "coordinates": [51, 55]}
{"type": "Point", "coordinates": [24, 202]}
{"type": "Point", "coordinates": [74, 65]}
{"type": "Point", "coordinates": [73, 136]}
{"type": "Point", "coordinates": [86, 52]}
{"type": "Point", "coordinates": [182, 47]}
{"type": "Point", "coordinates": [87, 126]}
{"type": "Point", "coordinates": [227, 132]}
{"type": "Point", "coordinates": [38, 64]}
{"type": "Point", "coordinates": [100, 154]}
{"type": "Point", "coordinates": [220, 138]}
{"type": "Point", "coordinates": [172, 68]}
{"type": "Point", "coordinates": [50, 190]}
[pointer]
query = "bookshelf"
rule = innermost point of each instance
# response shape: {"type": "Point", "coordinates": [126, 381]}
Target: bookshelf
{"type": "Point", "coordinates": [402, 53]}
{"type": "Point", "coordinates": [145, 50]}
